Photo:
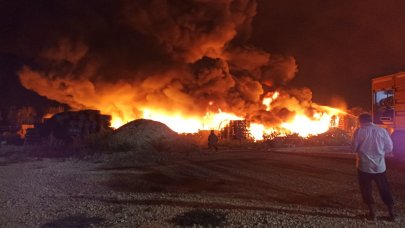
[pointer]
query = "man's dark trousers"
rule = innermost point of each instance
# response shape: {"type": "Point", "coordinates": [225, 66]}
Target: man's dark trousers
{"type": "Point", "coordinates": [365, 180]}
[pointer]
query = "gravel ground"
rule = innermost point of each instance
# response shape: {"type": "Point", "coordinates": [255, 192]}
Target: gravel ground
{"type": "Point", "coordinates": [230, 188]}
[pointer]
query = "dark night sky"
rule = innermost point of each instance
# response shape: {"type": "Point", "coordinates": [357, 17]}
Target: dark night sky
{"type": "Point", "coordinates": [338, 45]}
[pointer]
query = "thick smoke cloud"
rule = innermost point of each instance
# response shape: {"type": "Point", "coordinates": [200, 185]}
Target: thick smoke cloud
{"type": "Point", "coordinates": [176, 56]}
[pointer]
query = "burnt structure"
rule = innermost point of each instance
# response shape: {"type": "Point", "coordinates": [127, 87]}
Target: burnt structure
{"type": "Point", "coordinates": [348, 123]}
{"type": "Point", "coordinates": [235, 130]}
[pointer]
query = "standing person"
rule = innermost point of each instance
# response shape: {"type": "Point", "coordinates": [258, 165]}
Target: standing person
{"type": "Point", "coordinates": [213, 141]}
{"type": "Point", "coordinates": [371, 142]}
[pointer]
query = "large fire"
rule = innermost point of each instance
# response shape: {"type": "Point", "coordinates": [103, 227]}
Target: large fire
{"type": "Point", "coordinates": [198, 70]}
{"type": "Point", "coordinates": [321, 121]}
{"type": "Point", "coordinates": [180, 123]}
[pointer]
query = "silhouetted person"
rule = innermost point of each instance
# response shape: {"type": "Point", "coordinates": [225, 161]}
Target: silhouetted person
{"type": "Point", "coordinates": [213, 141]}
{"type": "Point", "coordinates": [371, 142]}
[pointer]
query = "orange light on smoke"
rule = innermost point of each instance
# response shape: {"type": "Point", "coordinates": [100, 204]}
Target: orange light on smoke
{"type": "Point", "coordinates": [269, 99]}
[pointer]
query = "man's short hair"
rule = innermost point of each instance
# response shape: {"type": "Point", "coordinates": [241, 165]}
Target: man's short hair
{"type": "Point", "coordinates": [365, 118]}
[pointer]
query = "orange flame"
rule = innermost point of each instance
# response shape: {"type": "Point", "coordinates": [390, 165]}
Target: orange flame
{"type": "Point", "coordinates": [269, 99]}
{"type": "Point", "coordinates": [183, 124]}
{"type": "Point", "coordinates": [305, 126]}
{"type": "Point", "coordinates": [301, 124]}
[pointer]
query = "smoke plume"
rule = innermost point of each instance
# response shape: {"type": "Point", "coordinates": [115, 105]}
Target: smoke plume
{"type": "Point", "coordinates": [175, 56]}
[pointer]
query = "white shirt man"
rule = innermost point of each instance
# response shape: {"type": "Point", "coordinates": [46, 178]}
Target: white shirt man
{"type": "Point", "coordinates": [371, 142]}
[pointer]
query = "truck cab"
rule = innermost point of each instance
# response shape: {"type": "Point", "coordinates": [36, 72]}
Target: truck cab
{"type": "Point", "coordinates": [388, 97]}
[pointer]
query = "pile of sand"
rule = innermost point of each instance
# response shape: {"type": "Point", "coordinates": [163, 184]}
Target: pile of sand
{"type": "Point", "coordinates": [148, 140]}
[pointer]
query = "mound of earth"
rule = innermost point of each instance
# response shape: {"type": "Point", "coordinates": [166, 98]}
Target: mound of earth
{"type": "Point", "coordinates": [148, 136]}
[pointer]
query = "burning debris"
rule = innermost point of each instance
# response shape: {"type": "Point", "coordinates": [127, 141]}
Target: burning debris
{"type": "Point", "coordinates": [236, 130]}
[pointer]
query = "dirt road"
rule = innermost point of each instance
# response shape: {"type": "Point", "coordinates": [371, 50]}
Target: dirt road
{"type": "Point", "coordinates": [231, 188]}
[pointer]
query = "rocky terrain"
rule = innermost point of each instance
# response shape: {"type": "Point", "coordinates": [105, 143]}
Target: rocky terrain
{"type": "Point", "coordinates": [232, 188]}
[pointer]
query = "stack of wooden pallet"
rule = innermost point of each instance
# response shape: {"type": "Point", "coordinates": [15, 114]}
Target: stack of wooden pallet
{"type": "Point", "coordinates": [71, 124]}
